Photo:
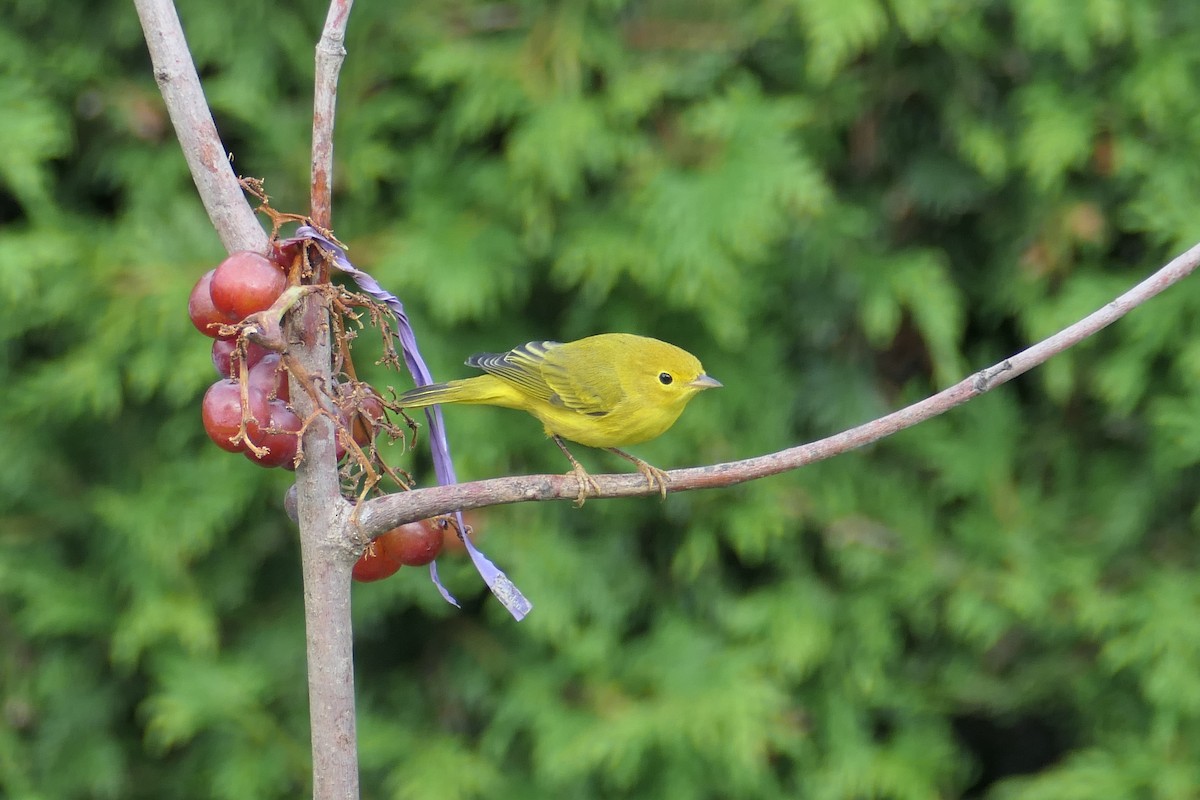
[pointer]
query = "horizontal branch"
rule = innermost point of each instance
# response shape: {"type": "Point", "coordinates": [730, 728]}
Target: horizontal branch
{"type": "Point", "coordinates": [387, 512]}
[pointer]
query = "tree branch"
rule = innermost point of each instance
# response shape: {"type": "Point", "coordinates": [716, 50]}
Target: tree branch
{"type": "Point", "coordinates": [231, 215]}
{"type": "Point", "coordinates": [383, 513]}
{"type": "Point", "coordinates": [327, 555]}
{"type": "Point", "coordinates": [327, 549]}
{"type": "Point", "coordinates": [331, 52]}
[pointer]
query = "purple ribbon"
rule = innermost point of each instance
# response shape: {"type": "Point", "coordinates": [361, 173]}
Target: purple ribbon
{"type": "Point", "coordinates": [504, 589]}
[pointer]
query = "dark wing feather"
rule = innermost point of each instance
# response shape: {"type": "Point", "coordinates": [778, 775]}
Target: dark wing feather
{"type": "Point", "coordinates": [522, 366]}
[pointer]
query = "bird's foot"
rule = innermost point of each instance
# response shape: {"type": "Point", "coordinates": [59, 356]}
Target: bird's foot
{"type": "Point", "coordinates": [587, 484]}
{"type": "Point", "coordinates": [655, 477]}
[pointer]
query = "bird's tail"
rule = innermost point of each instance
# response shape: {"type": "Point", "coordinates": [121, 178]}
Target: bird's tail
{"type": "Point", "coordinates": [432, 394]}
{"type": "Point", "coordinates": [483, 389]}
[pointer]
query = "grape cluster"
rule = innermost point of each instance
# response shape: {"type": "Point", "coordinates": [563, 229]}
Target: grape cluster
{"type": "Point", "coordinates": [266, 429]}
{"type": "Point", "coordinates": [414, 545]}
{"type": "Point", "coordinates": [247, 410]}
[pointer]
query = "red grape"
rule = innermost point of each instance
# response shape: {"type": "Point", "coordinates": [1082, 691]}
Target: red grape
{"type": "Point", "coordinates": [222, 348]}
{"type": "Point", "coordinates": [364, 421]}
{"type": "Point", "coordinates": [245, 283]}
{"type": "Point", "coordinates": [414, 544]}
{"type": "Point", "coordinates": [281, 446]}
{"type": "Point", "coordinates": [377, 563]}
{"type": "Point", "coordinates": [267, 375]}
{"type": "Point", "coordinates": [221, 411]}
{"type": "Point", "coordinates": [201, 310]}
{"type": "Point", "coordinates": [283, 256]}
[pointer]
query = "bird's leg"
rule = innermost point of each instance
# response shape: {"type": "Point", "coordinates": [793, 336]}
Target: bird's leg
{"type": "Point", "coordinates": [654, 475]}
{"type": "Point", "coordinates": [586, 482]}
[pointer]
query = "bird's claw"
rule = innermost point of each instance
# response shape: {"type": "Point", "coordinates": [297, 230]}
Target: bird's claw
{"type": "Point", "coordinates": [655, 477]}
{"type": "Point", "coordinates": [587, 485]}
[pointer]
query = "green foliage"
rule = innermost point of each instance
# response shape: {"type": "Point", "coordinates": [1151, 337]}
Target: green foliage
{"type": "Point", "coordinates": [839, 206]}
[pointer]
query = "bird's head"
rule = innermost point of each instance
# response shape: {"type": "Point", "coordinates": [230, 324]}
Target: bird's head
{"type": "Point", "coordinates": [673, 375]}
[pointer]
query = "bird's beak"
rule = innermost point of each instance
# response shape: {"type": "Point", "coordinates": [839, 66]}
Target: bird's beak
{"type": "Point", "coordinates": [705, 382]}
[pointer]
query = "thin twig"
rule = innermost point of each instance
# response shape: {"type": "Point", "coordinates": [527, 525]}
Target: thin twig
{"type": "Point", "coordinates": [383, 513]}
{"type": "Point", "coordinates": [175, 73]}
{"type": "Point", "coordinates": [330, 54]}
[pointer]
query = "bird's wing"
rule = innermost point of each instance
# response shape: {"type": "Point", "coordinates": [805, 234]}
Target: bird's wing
{"type": "Point", "coordinates": [522, 367]}
{"type": "Point", "coordinates": [546, 371]}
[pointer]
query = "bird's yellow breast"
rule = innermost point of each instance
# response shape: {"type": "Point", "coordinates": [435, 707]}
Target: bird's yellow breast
{"type": "Point", "coordinates": [628, 423]}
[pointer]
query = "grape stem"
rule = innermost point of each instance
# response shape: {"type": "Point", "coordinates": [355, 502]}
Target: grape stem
{"type": "Point", "coordinates": [241, 437]}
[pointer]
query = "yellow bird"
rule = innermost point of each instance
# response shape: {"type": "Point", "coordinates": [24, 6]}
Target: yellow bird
{"type": "Point", "coordinates": [606, 391]}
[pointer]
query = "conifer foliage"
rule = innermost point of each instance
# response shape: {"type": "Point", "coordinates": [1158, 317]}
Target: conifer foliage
{"type": "Point", "coordinates": [839, 206]}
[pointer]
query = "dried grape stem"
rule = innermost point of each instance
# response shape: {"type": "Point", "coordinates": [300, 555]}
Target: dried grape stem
{"type": "Point", "coordinates": [239, 352]}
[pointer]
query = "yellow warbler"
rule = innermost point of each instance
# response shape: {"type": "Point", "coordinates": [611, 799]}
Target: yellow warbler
{"type": "Point", "coordinates": [607, 391]}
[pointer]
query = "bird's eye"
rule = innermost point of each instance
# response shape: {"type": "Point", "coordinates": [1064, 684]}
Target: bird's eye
{"type": "Point", "coordinates": [665, 378]}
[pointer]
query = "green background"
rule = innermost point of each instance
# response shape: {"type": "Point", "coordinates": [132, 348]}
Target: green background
{"type": "Point", "coordinates": [839, 205]}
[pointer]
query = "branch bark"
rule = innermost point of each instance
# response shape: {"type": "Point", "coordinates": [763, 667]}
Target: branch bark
{"type": "Point", "coordinates": [327, 550]}
{"type": "Point", "coordinates": [382, 513]}
{"type": "Point", "coordinates": [231, 215]}
{"type": "Point", "coordinates": [331, 52]}
{"type": "Point", "coordinates": [327, 556]}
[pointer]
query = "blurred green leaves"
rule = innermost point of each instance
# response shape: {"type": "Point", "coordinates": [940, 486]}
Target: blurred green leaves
{"type": "Point", "coordinates": [839, 206]}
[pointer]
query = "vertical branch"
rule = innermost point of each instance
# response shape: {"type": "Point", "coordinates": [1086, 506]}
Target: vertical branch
{"type": "Point", "coordinates": [330, 54]}
{"type": "Point", "coordinates": [175, 73]}
{"type": "Point", "coordinates": [327, 551]}
{"type": "Point", "coordinates": [327, 555]}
